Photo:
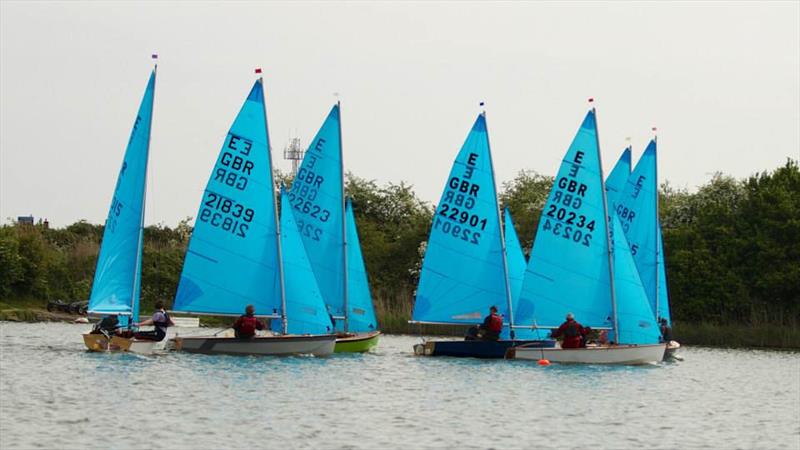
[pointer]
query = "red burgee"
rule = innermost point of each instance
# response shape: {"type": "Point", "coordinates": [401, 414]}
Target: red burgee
{"type": "Point", "coordinates": [258, 70]}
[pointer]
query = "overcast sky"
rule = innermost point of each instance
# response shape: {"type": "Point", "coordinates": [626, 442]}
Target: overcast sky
{"type": "Point", "coordinates": [720, 81]}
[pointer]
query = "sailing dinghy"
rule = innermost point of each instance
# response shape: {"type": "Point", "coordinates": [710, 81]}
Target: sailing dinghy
{"type": "Point", "coordinates": [238, 252]}
{"type": "Point", "coordinates": [328, 230]}
{"type": "Point", "coordinates": [465, 270]}
{"type": "Point", "coordinates": [637, 209]}
{"type": "Point", "coordinates": [116, 288]}
{"type": "Point", "coordinates": [576, 267]}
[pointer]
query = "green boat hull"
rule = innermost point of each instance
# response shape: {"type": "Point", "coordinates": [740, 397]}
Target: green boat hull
{"type": "Point", "coordinates": [358, 343]}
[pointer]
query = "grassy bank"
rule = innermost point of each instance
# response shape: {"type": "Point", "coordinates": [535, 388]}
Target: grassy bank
{"type": "Point", "coordinates": [735, 335]}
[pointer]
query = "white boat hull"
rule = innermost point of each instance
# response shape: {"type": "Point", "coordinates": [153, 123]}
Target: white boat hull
{"type": "Point", "coordinates": [617, 354]}
{"type": "Point", "coordinates": [317, 345]}
{"type": "Point", "coordinates": [100, 343]}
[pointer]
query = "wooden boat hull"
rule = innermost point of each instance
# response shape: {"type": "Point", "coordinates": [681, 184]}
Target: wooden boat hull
{"type": "Point", "coordinates": [357, 343]}
{"type": "Point", "coordinates": [100, 343]}
{"type": "Point", "coordinates": [474, 349]}
{"type": "Point", "coordinates": [317, 345]}
{"type": "Point", "coordinates": [617, 354]}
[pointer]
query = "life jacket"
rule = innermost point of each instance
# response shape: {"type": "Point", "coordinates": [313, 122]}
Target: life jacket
{"type": "Point", "coordinates": [163, 324]}
{"type": "Point", "coordinates": [573, 329]}
{"type": "Point", "coordinates": [247, 325]}
{"type": "Point", "coordinates": [495, 323]}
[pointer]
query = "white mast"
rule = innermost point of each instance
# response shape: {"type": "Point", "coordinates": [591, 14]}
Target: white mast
{"type": "Point", "coordinates": [502, 237]}
{"type": "Point", "coordinates": [275, 209]}
{"type": "Point", "coordinates": [344, 225]}
{"type": "Point", "coordinates": [608, 231]}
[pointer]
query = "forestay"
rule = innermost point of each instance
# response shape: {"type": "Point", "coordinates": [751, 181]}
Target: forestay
{"type": "Point", "coordinates": [361, 313]}
{"type": "Point", "coordinates": [463, 271]}
{"type": "Point", "coordinates": [305, 309]}
{"type": "Point", "coordinates": [232, 260]}
{"type": "Point", "coordinates": [117, 280]}
{"type": "Point", "coordinates": [318, 204]}
{"type": "Point", "coordinates": [637, 210]}
{"type": "Point", "coordinates": [516, 273]}
{"type": "Point", "coordinates": [568, 270]}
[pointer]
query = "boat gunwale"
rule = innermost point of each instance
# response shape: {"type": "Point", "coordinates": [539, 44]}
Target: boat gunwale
{"type": "Point", "coordinates": [358, 337]}
{"type": "Point", "coordinates": [288, 337]}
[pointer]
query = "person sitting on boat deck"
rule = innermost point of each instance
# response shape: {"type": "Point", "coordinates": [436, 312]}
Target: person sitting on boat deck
{"type": "Point", "coordinates": [160, 320]}
{"type": "Point", "coordinates": [572, 331]}
{"type": "Point", "coordinates": [108, 325]}
{"type": "Point", "coordinates": [489, 330]}
{"type": "Point", "coordinates": [666, 331]}
{"type": "Point", "coordinates": [246, 325]}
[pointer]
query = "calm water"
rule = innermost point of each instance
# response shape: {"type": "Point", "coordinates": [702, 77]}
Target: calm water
{"type": "Point", "coordinates": [53, 394]}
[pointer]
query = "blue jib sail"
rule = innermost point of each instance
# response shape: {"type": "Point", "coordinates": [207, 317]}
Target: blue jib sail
{"type": "Point", "coordinates": [117, 279]}
{"type": "Point", "coordinates": [318, 204]}
{"type": "Point", "coordinates": [637, 209]}
{"type": "Point", "coordinates": [232, 256]}
{"type": "Point", "coordinates": [568, 267]}
{"type": "Point", "coordinates": [361, 313]}
{"type": "Point", "coordinates": [616, 180]}
{"type": "Point", "coordinates": [516, 274]}
{"type": "Point", "coordinates": [637, 324]}
{"type": "Point", "coordinates": [463, 272]}
{"type": "Point", "coordinates": [305, 309]}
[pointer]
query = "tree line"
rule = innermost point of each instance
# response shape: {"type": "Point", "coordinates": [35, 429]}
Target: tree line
{"type": "Point", "coordinates": [732, 248]}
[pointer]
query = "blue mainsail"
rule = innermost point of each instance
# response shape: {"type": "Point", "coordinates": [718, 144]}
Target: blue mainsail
{"type": "Point", "coordinates": [232, 256]}
{"type": "Point", "coordinates": [516, 274]}
{"type": "Point", "coordinates": [568, 270]}
{"type": "Point", "coordinates": [305, 309]}
{"type": "Point", "coordinates": [637, 324]}
{"type": "Point", "coordinates": [463, 271]}
{"type": "Point", "coordinates": [616, 180]}
{"type": "Point", "coordinates": [317, 200]}
{"type": "Point", "coordinates": [361, 313]}
{"type": "Point", "coordinates": [117, 279]}
{"type": "Point", "coordinates": [637, 209]}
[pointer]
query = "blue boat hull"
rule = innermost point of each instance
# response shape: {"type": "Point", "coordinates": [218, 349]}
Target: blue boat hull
{"type": "Point", "coordinates": [475, 349]}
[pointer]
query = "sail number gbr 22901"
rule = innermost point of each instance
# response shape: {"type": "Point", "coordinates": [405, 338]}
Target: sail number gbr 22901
{"type": "Point", "coordinates": [455, 216]}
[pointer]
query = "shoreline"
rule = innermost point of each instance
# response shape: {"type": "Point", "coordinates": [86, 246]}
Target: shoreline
{"type": "Point", "coordinates": [764, 337]}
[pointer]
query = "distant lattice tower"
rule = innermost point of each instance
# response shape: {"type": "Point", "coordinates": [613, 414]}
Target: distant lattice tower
{"type": "Point", "coordinates": [294, 152]}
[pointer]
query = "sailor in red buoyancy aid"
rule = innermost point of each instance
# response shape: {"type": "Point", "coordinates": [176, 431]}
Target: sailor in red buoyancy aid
{"type": "Point", "coordinates": [572, 331]}
{"type": "Point", "coordinates": [247, 324]}
{"type": "Point", "coordinates": [492, 325]}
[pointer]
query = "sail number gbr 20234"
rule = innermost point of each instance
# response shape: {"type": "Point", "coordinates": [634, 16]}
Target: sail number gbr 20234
{"type": "Point", "coordinates": [562, 213]}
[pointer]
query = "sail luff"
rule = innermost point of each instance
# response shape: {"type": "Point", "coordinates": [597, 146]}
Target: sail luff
{"type": "Point", "coordinates": [608, 231]}
{"type": "Point", "coordinates": [344, 226]}
{"type": "Point", "coordinates": [501, 235]}
{"type": "Point", "coordinates": [279, 253]}
{"type": "Point", "coordinates": [135, 298]}
{"type": "Point", "coordinates": [658, 228]}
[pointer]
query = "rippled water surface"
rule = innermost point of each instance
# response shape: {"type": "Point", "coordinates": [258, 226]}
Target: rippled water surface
{"type": "Point", "coordinates": [53, 394]}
